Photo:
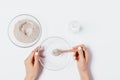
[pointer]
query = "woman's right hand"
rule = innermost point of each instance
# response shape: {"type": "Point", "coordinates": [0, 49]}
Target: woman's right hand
{"type": "Point", "coordinates": [82, 57]}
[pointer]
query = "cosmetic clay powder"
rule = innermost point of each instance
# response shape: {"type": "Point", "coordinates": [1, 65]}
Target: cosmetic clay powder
{"type": "Point", "coordinates": [26, 31]}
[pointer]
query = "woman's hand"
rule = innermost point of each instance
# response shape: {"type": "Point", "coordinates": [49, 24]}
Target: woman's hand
{"type": "Point", "coordinates": [32, 65]}
{"type": "Point", "coordinates": [82, 58]}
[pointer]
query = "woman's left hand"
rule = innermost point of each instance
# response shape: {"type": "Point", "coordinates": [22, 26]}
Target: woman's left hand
{"type": "Point", "coordinates": [33, 66]}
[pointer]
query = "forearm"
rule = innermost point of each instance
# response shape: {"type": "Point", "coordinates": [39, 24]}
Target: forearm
{"type": "Point", "coordinates": [29, 78]}
{"type": "Point", "coordinates": [85, 75]}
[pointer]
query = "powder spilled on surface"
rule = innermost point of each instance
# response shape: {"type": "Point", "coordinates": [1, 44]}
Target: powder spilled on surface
{"type": "Point", "coordinates": [26, 31]}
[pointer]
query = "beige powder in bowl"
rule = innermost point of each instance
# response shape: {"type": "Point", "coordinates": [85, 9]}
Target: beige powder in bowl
{"type": "Point", "coordinates": [26, 31]}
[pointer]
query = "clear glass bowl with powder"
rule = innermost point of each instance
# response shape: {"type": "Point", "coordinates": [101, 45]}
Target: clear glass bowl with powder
{"type": "Point", "coordinates": [24, 30]}
{"type": "Point", "coordinates": [50, 61]}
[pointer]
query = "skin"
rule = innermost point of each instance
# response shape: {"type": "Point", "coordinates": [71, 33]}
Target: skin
{"type": "Point", "coordinates": [82, 59]}
{"type": "Point", "coordinates": [34, 68]}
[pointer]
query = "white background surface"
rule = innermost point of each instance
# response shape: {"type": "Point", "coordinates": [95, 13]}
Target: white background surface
{"type": "Point", "coordinates": [100, 20]}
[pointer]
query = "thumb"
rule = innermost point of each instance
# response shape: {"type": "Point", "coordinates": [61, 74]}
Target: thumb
{"type": "Point", "coordinates": [36, 57]}
{"type": "Point", "coordinates": [80, 51]}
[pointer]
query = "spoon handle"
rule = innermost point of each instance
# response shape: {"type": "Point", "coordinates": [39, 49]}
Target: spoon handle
{"type": "Point", "coordinates": [70, 50]}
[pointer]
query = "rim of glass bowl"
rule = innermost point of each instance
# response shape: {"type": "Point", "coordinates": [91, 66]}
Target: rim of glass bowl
{"type": "Point", "coordinates": [18, 43]}
{"type": "Point", "coordinates": [68, 55]}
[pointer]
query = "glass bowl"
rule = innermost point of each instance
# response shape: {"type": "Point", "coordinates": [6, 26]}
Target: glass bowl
{"type": "Point", "coordinates": [12, 26]}
{"type": "Point", "coordinates": [51, 61]}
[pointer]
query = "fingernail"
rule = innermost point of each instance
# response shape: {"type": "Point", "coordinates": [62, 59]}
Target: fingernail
{"type": "Point", "coordinates": [36, 53]}
{"type": "Point", "coordinates": [79, 48]}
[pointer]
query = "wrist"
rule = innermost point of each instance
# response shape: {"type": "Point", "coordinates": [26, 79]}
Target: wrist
{"type": "Point", "coordinates": [85, 75]}
{"type": "Point", "coordinates": [29, 78]}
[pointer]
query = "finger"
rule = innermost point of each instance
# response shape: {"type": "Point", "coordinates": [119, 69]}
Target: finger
{"type": "Point", "coordinates": [76, 47]}
{"type": "Point", "coordinates": [86, 55]}
{"type": "Point", "coordinates": [36, 49]}
{"type": "Point", "coordinates": [74, 55]}
{"type": "Point", "coordinates": [41, 49]}
{"type": "Point", "coordinates": [31, 56]}
{"type": "Point", "coordinates": [83, 46]}
{"type": "Point", "coordinates": [86, 52]}
{"type": "Point", "coordinates": [40, 52]}
{"type": "Point", "coordinates": [36, 57]}
{"type": "Point", "coordinates": [80, 51]}
{"type": "Point", "coordinates": [75, 58]}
